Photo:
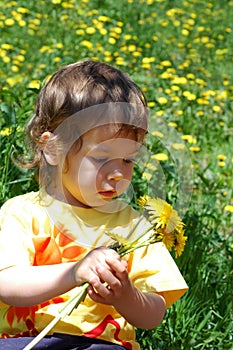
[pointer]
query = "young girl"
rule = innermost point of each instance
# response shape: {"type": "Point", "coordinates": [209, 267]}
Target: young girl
{"type": "Point", "coordinates": [88, 128]}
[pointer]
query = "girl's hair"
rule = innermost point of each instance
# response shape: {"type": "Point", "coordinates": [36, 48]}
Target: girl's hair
{"type": "Point", "coordinates": [74, 88]}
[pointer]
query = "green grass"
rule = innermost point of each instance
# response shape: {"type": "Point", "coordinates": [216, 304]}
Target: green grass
{"type": "Point", "coordinates": [180, 53]}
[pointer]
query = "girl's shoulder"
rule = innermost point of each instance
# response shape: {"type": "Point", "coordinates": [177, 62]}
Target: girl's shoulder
{"type": "Point", "coordinates": [21, 203]}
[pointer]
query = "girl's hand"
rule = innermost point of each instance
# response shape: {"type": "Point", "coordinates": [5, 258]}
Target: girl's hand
{"type": "Point", "coordinates": [106, 272]}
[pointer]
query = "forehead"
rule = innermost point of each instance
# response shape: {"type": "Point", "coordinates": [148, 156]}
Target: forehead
{"type": "Point", "coordinates": [111, 138]}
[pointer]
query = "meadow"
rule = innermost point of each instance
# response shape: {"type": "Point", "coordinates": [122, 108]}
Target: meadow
{"type": "Point", "coordinates": [180, 53]}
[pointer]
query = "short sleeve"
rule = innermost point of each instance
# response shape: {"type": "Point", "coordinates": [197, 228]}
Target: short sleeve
{"type": "Point", "coordinates": [152, 269]}
{"type": "Point", "coordinates": [16, 247]}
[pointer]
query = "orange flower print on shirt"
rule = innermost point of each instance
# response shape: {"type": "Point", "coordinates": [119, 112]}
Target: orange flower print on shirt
{"type": "Point", "coordinates": [27, 314]}
{"type": "Point", "coordinates": [54, 245]}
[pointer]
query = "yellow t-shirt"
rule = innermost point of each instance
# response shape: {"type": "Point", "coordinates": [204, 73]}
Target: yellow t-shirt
{"type": "Point", "coordinates": [38, 230]}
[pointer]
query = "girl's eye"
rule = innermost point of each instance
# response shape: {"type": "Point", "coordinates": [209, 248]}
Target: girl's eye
{"type": "Point", "coordinates": [100, 160]}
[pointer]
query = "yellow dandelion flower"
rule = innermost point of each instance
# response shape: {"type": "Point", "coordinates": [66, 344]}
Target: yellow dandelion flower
{"type": "Point", "coordinates": [151, 104]}
{"type": "Point", "coordinates": [162, 100]}
{"type": "Point", "coordinates": [22, 23]}
{"type": "Point", "coordinates": [189, 138]}
{"type": "Point", "coordinates": [142, 200]}
{"type": "Point", "coordinates": [90, 30]}
{"type": "Point", "coordinates": [166, 63]}
{"type": "Point", "coordinates": [6, 59]}
{"type": "Point", "coordinates": [80, 32]}
{"type": "Point", "coordinates": [87, 44]}
{"type": "Point", "coordinates": [216, 108]}
{"type": "Point", "coordinates": [165, 75]}
{"type": "Point", "coordinates": [221, 157]}
{"type": "Point", "coordinates": [164, 214]}
{"type": "Point", "coordinates": [221, 164]}
{"type": "Point", "coordinates": [146, 65]}
{"type": "Point", "coordinates": [168, 240]}
{"type": "Point", "coordinates": [222, 95]}
{"type": "Point", "coordinates": [185, 32]}
{"type": "Point", "coordinates": [160, 156]}
{"type": "Point", "coordinates": [194, 149]}
{"type": "Point", "coordinates": [6, 131]}
{"type": "Point", "coordinates": [179, 80]}
{"type": "Point", "coordinates": [11, 81]}
{"type": "Point", "coordinates": [202, 101]}
{"type": "Point", "coordinates": [229, 208]}
{"type": "Point", "coordinates": [175, 88]}
{"type": "Point", "coordinates": [190, 76]}
{"type": "Point", "coordinates": [151, 166]}
{"type": "Point", "coordinates": [34, 84]}
{"type": "Point", "coordinates": [5, 46]}
{"type": "Point", "coordinates": [148, 59]}
{"type": "Point", "coordinates": [103, 31]}
{"type": "Point", "coordinates": [157, 133]}
{"type": "Point", "coordinates": [178, 146]}
{"type": "Point", "coordinates": [103, 18]}
{"type": "Point", "coordinates": [173, 124]}
{"type": "Point", "coordinates": [180, 243]}
{"type": "Point", "coordinates": [112, 41]}
{"type": "Point", "coordinates": [176, 23]}
{"type": "Point", "coordinates": [22, 10]}
{"type": "Point", "coordinates": [67, 5]}
{"type": "Point", "coordinates": [127, 36]}
{"type": "Point", "coordinates": [136, 54]}
{"type": "Point", "coordinates": [146, 176]}
{"type": "Point", "coordinates": [116, 30]}
{"type": "Point", "coordinates": [160, 113]}
{"type": "Point", "coordinates": [9, 22]}
{"type": "Point", "coordinates": [175, 98]}
{"type": "Point", "coordinates": [14, 68]}
{"type": "Point", "coordinates": [201, 82]}
{"type": "Point", "coordinates": [190, 96]}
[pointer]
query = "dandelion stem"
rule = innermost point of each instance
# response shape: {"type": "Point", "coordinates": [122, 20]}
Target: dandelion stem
{"type": "Point", "coordinates": [64, 311]}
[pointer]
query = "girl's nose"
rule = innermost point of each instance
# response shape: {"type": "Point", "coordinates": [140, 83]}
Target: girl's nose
{"type": "Point", "coordinates": [116, 175]}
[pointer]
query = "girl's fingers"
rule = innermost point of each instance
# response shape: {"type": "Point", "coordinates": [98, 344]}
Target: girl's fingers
{"type": "Point", "coordinates": [118, 266]}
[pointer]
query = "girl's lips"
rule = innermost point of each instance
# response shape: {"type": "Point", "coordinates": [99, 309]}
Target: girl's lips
{"type": "Point", "coordinates": [108, 194]}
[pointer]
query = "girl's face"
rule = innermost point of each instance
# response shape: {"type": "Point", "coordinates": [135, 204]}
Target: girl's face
{"type": "Point", "coordinates": [102, 169]}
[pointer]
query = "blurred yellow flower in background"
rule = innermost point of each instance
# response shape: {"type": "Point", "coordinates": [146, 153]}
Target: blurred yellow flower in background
{"type": "Point", "coordinates": [160, 156]}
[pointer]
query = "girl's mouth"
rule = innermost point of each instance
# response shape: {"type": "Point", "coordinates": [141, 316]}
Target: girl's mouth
{"type": "Point", "coordinates": [108, 194]}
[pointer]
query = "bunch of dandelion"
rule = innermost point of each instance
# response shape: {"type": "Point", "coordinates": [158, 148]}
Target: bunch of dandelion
{"type": "Point", "coordinates": [165, 226]}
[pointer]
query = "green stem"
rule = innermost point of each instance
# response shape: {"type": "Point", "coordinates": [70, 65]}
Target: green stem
{"type": "Point", "coordinates": [64, 311]}
{"type": "Point", "coordinates": [133, 245]}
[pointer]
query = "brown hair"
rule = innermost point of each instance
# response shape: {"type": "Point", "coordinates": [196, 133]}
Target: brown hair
{"type": "Point", "coordinates": [74, 88]}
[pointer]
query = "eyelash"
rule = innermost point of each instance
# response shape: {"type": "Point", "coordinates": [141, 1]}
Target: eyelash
{"type": "Point", "coordinates": [100, 160]}
{"type": "Point", "coordinates": [104, 160]}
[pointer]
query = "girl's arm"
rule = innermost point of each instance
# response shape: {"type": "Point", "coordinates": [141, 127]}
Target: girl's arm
{"type": "Point", "coordinates": [109, 284]}
{"type": "Point", "coordinates": [31, 285]}
{"type": "Point", "coordinates": [143, 310]}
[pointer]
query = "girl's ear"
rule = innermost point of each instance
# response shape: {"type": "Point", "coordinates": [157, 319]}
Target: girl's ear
{"type": "Point", "coordinates": [49, 148]}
